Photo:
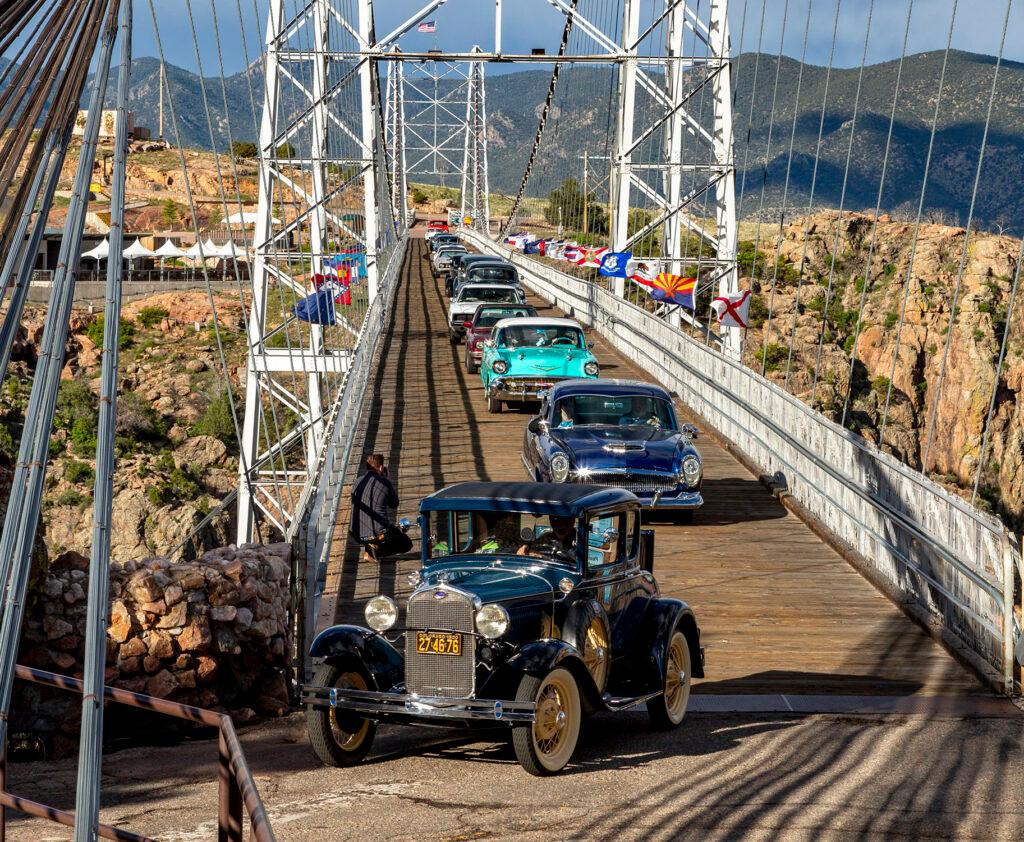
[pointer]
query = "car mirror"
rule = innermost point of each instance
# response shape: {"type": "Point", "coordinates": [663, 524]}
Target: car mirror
{"type": "Point", "coordinates": [590, 346]}
{"type": "Point", "coordinates": [610, 535]}
{"type": "Point", "coordinates": [537, 426]}
{"type": "Point", "coordinates": [690, 430]}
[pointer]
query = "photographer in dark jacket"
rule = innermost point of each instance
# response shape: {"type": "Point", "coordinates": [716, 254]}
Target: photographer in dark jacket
{"type": "Point", "coordinates": [372, 526]}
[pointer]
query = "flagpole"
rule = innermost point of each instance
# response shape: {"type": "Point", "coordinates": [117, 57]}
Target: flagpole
{"type": "Point", "coordinates": [586, 202]}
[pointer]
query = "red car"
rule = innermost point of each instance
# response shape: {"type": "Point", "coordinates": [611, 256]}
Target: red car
{"type": "Point", "coordinates": [479, 328]}
{"type": "Point", "coordinates": [436, 226]}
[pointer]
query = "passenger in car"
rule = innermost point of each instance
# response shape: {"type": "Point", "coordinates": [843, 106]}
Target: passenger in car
{"type": "Point", "coordinates": [560, 539]}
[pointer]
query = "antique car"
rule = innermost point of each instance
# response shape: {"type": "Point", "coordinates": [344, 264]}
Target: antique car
{"type": "Point", "coordinates": [617, 432]}
{"type": "Point", "coordinates": [460, 267]}
{"type": "Point", "coordinates": [525, 357]}
{"type": "Point", "coordinates": [464, 304]}
{"type": "Point", "coordinates": [534, 606]}
{"type": "Point", "coordinates": [494, 271]}
{"type": "Point", "coordinates": [438, 240]}
{"type": "Point", "coordinates": [442, 258]}
{"type": "Point", "coordinates": [435, 227]}
{"type": "Point", "coordinates": [478, 328]}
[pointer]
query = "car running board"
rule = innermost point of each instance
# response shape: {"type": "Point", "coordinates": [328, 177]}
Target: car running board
{"type": "Point", "coordinates": [616, 703]}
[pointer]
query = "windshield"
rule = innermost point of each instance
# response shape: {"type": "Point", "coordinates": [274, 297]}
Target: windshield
{"type": "Point", "coordinates": [615, 411]}
{"type": "Point", "coordinates": [493, 273]}
{"type": "Point", "coordinates": [489, 294]}
{"type": "Point", "coordinates": [541, 336]}
{"type": "Point", "coordinates": [490, 316]}
{"type": "Point", "coordinates": [551, 539]}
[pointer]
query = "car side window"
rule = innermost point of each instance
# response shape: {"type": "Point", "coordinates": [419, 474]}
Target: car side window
{"type": "Point", "coordinates": [631, 535]}
{"type": "Point", "coordinates": [605, 539]}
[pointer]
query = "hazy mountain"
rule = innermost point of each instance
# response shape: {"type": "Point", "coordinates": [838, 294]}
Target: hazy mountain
{"type": "Point", "coordinates": [581, 121]}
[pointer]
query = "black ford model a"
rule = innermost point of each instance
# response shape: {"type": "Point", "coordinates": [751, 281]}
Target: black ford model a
{"type": "Point", "coordinates": [535, 605]}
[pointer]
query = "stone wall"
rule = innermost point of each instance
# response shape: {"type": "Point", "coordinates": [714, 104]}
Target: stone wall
{"type": "Point", "coordinates": [213, 633]}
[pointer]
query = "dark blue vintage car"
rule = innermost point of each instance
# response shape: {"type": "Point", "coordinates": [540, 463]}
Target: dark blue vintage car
{"type": "Point", "coordinates": [535, 605]}
{"type": "Point", "coordinates": [616, 432]}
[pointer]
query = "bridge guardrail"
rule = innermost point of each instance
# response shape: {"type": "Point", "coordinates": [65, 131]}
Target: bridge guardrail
{"type": "Point", "coordinates": [313, 526]}
{"type": "Point", "coordinates": [945, 562]}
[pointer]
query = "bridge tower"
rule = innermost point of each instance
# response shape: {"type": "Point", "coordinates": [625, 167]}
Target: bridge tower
{"type": "Point", "coordinates": [476, 202]}
{"type": "Point", "coordinates": [323, 195]}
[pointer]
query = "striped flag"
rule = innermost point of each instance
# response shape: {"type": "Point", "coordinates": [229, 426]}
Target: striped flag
{"type": "Point", "coordinates": [642, 271]}
{"type": "Point", "coordinates": [590, 258]}
{"type": "Point", "coordinates": [428, 26]}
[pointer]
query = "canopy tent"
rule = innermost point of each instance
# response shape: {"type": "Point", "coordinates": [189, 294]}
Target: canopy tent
{"type": "Point", "coordinates": [168, 249]}
{"type": "Point", "coordinates": [136, 250]}
{"type": "Point", "coordinates": [247, 218]}
{"type": "Point", "coordinates": [210, 248]}
{"type": "Point", "coordinates": [193, 252]}
{"type": "Point", "coordinates": [101, 252]}
{"type": "Point", "coordinates": [229, 250]}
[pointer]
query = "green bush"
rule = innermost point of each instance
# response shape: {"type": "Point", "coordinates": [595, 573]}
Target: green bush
{"type": "Point", "coordinates": [217, 421]}
{"type": "Point", "coordinates": [180, 486]}
{"type": "Point", "coordinates": [138, 421]}
{"type": "Point", "coordinates": [244, 149]}
{"type": "Point", "coordinates": [79, 472]}
{"type": "Point", "coordinates": [152, 316]}
{"type": "Point", "coordinates": [419, 197]}
{"type": "Point", "coordinates": [880, 384]}
{"type": "Point", "coordinates": [83, 437]}
{"type": "Point", "coordinates": [70, 497]}
{"type": "Point", "coordinates": [772, 356]}
{"type": "Point", "coordinates": [95, 333]}
{"type": "Point", "coordinates": [891, 319]}
{"type": "Point", "coordinates": [170, 212]}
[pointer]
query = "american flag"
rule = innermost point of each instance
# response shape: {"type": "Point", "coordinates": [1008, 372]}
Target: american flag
{"type": "Point", "coordinates": [427, 26]}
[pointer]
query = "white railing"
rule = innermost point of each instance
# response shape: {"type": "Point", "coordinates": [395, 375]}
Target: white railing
{"type": "Point", "coordinates": [942, 560]}
{"type": "Point", "coordinates": [312, 530]}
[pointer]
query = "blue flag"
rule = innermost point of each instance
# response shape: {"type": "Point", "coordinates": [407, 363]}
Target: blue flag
{"type": "Point", "coordinates": [318, 308]}
{"type": "Point", "coordinates": [615, 263]}
{"type": "Point", "coordinates": [532, 247]}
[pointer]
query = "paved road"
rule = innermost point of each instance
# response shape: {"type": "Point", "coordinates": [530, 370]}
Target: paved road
{"type": "Point", "coordinates": [718, 777]}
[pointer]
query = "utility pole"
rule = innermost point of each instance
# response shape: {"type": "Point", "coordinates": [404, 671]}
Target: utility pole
{"type": "Point", "coordinates": [586, 198]}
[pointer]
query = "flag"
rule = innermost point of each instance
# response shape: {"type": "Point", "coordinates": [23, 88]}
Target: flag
{"type": "Point", "coordinates": [614, 263]}
{"type": "Point", "coordinates": [320, 307]}
{"type": "Point", "coordinates": [642, 271]}
{"type": "Point", "coordinates": [428, 26]}
{"type": "Point", "coordinates": [732, 310]}
{"type": "Point", "coordinates": [674, 290]}
{"type": "Point", "coordinates": [571, 253]}
{"type": "Point", "coordinates": [532, 247]}
{"type": "Point", "coordinates": [590, 258]}
{"type": "Point", "coordinates": [543, 246]}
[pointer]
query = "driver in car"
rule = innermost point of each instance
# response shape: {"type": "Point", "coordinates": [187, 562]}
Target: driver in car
{"type": "Point", "coordinates": [640, 414]}
{"type": "Point", "coordinates": [560, 539]}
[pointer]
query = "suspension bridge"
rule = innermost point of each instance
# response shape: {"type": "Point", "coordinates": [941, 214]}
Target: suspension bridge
{"type": "Point", "coordinates": [846, 582]}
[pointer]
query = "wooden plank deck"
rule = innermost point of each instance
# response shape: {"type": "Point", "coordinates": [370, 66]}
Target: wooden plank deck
{"type": "Point", "coordinates": [780, 611]}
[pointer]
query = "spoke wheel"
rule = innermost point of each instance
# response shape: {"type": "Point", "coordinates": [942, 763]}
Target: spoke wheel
{"type": "Point", "coordinates": [668, 709]}
{"type": "Point", "coordinates": [546, 745]}
{"type": "Point", "coordinates": [340, 738]}
{"type": "Point", "coordinates": [595, 652]}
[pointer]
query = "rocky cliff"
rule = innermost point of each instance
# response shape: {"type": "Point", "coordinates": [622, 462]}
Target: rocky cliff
{"type": "Point", "coordinates": [897, 391]}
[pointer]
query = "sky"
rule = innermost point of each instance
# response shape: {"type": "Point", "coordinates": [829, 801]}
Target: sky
{"type": "Point", "coordinates": [535, 23]}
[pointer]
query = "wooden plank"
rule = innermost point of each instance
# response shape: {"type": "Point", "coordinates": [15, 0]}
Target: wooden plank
{"type": "Point", "coordinates": [780, 611]}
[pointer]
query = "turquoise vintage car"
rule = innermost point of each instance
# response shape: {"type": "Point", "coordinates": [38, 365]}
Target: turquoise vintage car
{"type": "Point", "coordinates": [524, 357]}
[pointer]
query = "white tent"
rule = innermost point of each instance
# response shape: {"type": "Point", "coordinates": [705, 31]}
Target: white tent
{"type": "Point", "coordinates": [229, 250]}
{"type": "Point", "coordinates": [137, 250]}
{"type": "Point", "coordinates": [193, 252]}
{"type": "Point", "coordinates": [101, 252]}
{"type": "Point", "coordinates": [168, 249]}
{"type": "Point", "coordinates": [247, 218]}
{"type": "Point", "coordinates": [210, 248]}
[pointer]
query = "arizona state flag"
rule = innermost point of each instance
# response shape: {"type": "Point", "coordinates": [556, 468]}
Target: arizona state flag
{"type": "Point", "coordinates": [674, 290]}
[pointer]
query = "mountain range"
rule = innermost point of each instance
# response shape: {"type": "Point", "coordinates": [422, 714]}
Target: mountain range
{"type": "Point", "coordinates": [582, 121]}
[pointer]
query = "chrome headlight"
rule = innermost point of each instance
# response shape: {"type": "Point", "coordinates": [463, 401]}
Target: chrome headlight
{"type": "Point", "coordinates": [492, 621]}
{"type": "Point", "coordinates": [499, 366]}
{"type": "Point", "coordinates": [381, 613]}
{"type": "Point", "coordinates": [691, 471]}
{"type": "Point", "coordinates": [559, 467]}
{"type": "Point", "coordinates": [591, 369]}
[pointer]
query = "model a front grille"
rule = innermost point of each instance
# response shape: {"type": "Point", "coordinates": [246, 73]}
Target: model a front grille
{"type": "Point", "coordinates": [446, 676]}
{"type": "Point", "coordinates": [637, 483]}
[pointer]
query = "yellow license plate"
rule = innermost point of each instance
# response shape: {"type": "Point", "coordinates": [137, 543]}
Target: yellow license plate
{"type": "Point", "coordinates": [438, 643]}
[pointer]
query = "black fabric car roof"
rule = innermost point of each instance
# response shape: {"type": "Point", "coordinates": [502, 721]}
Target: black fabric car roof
{"type": "Point", "coordinates": [567, 499]}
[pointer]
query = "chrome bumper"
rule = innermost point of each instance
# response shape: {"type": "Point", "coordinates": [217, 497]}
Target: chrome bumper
{"type": "Point", "coordinates": [678, 500]}
{"type": "Point", "coordinates": [417, 707]}
{"type": "Point", "coordinates": [525, 390]}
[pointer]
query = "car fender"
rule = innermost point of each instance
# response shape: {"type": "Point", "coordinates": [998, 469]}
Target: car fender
{"type": "Point", "coordinates": [663, 617]}
{"type": "Point", "coordinates": [384, 663]}
{"type": "Point", "coordinates": [539, 657]}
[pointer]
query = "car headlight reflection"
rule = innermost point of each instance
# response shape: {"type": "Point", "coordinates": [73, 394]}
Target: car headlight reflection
{"type": "Point", "coordinates": [492, 621]}
{"type": "Point", "coordinates": [691, 471]}
{"type": "Point", "coordinates": [591, 369]}
{"type": "Point", "coordinates": [559, 467]}
{"type": "Point", "coordinates": [381, 613]}
{"type": "Point", "coordinates": [499, 366]}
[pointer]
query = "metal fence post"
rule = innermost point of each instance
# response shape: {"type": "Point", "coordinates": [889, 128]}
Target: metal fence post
{"type": "Point", "coordinates": [229, 796]}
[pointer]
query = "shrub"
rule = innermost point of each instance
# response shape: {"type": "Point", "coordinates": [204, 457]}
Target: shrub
{"type": "Point", "coordinates": [244, 149]}
{"type": "Point", "coordinates": [75, 401]}
{"type": "Point", "coordinates": [79, 472]}
{"type": "Point", "coordinates": [152, 316]}
{"type": "Point", "coordinates": [286, 150]}
{"type": "Point", "coordinates": [138, 420]}
{"type": "Point", "coordinates": [83, 437]}
{"type": "Point", "coordinates": [891, 319]}
{"type": "Point", "coordinates": [217, 420]}
{"type": "Point", "coordinates": [70, 497]}
{"type": "Point", "coordinates": [95, 333]}
{"type": "Point", "coordinates": [170, 212]}
{"type": "Point", "coordinates": [758, 311]}
{"type": "Point", "coordinates": [419, 197]}
{"type": "Point", "coordinates": [880, 384]}
{"type": "Point", "coordinates": [772, 356]}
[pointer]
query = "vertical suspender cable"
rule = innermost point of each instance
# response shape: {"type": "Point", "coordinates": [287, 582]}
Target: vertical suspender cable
{"type": "Point", "coordinates": [90, 753]}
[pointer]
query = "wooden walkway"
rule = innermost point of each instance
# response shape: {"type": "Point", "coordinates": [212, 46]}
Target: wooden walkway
{"type": "Point", "coordinates": [780, 611]}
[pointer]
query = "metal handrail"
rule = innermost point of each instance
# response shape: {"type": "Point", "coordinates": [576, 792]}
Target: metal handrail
{"type": "Point", "coordinates": [236, 785]}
